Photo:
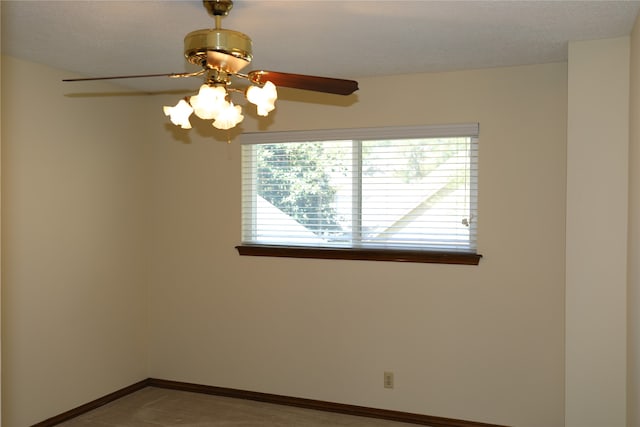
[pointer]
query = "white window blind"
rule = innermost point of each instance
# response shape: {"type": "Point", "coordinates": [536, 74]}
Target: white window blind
{"type": "Point", "coordinates": [400, 187]}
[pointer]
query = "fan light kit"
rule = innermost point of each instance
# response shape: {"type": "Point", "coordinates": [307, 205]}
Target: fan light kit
{"type": "Point", "coordinates": [222, 54]}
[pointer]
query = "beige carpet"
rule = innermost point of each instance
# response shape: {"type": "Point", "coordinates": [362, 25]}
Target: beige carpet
{"type": "Point", "coordinates": [161, 407]}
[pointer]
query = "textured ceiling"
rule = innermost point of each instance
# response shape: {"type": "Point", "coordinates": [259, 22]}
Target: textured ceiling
{"type": "Point", "coordinates": [347, 39]}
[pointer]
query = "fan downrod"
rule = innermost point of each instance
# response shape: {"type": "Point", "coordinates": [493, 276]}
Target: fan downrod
{"type": "Point", "coordinates": [218, 7]}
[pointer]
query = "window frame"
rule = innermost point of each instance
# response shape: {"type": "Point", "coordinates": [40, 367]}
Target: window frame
{"type": "Point", "coordinates": [356, 253]}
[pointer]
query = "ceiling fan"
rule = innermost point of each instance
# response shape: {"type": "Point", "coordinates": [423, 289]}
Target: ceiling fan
{"type": "Point", "coordinates": [221, 54]}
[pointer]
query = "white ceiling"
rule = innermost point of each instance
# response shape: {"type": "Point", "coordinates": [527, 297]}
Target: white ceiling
{"type": "Point", "coordinates": [346, 39]}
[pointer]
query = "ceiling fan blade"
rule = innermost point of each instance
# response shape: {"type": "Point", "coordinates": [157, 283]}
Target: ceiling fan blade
{"type": "Point", "coordinates": [137, 76]}
{"type": "Point", "coordinates": [301, 81]}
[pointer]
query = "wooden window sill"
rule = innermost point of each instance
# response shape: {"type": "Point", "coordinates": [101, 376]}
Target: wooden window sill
{"type": "Point", "coordinates": [398, 255]}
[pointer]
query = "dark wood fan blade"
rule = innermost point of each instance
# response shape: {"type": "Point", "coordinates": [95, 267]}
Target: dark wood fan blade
{"type": "Point", "coordinates": [137, 76]}
{"type": "Point", "coordinates": [301, 81]}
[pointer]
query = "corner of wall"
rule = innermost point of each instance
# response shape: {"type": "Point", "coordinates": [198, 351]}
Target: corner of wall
{"type": "Point", "coordinates": [597, 218]}
{"type": "Point", "coordinates": [633, 289]}
{"type": "Point", "coordinates": [0, 236]}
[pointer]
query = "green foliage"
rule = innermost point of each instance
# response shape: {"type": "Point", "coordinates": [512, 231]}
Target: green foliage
{"type": "Point", "coordinates": [292, 177]}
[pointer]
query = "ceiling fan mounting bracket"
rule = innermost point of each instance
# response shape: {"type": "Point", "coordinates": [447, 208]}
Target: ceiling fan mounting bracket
{"type": "Point", "coordinates": [218, 7]}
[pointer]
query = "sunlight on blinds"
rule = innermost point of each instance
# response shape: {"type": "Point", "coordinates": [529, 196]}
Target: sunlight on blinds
{"type": "Point", "coordinates": [418, 193]}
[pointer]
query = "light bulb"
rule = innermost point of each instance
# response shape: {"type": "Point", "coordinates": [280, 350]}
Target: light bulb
{"type": "Point", "coordinates": [179, 114]}
{"type": "Point", "coordinates": [209, 101]}
{"type": "Point", "coordinates": [228, 117]}
{"type": "Point", "coordinates": [264, 98]}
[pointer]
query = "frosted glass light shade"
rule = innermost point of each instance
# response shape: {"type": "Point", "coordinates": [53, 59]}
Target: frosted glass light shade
{"type": "Point", "coordinates": [228, 117]}
{"type": "Point", "coordinates": [179, 114]}
{"type": "Point", "coordinates": [264, 98]}
{"type": "Point", "coordinates": [209, 101]}
{"type": "Point", "coordinates": [213, 103]}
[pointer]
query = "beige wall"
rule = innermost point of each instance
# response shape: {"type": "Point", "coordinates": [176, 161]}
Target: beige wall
{"type": "Point", "coordinates": [0, 229]}
{"type": "Point", "coordinates": [483, 343]}
{"type": "Point", "coordinates": [597, 212]}
{"type": "Point", "coordinates": [633, 298]}
{"type": "Point", "coordinates": [74, 264]}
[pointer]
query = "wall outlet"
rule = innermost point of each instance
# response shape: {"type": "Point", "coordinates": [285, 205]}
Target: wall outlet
{"type": "Point", "coordinates": [388, 380]}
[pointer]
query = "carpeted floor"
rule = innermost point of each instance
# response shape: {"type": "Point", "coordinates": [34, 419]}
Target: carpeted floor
{"type": "Point", "coordinates": [156, 407]}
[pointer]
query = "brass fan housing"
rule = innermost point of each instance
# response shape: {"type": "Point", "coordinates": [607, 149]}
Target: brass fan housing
{"type": "Point", "coordinates": [218, 49]}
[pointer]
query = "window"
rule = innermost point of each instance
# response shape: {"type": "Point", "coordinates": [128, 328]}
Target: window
{"type": "Point", "coordinates": [404, 194]}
